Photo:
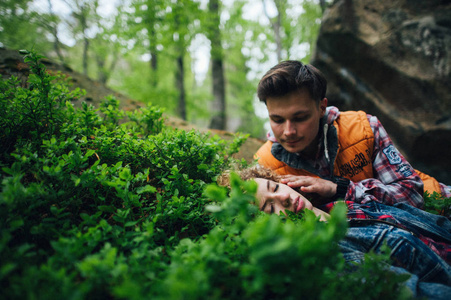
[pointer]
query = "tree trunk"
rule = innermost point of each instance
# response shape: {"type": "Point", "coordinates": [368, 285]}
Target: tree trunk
{"type": "Point", "coordinates": [219, 116]}
{"type": "Point", "coordinates": [151, 20]}
{"type": "Point", "coordinates": [180, 84]}
{"type": "Point", "coordinates": [153, 55]}
{"type": "Point", "coordinates": [85, 56]}
{"type": "Point", "coordinates": [276, 24]}
{"type": "Point", "coordinates": [101, 74]}
{"type": "Point", "coordinates": [54, 31]}
{"type": "Point", "coordinates": [84, 28]}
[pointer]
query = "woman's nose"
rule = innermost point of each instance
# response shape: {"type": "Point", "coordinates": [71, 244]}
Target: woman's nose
{"type": "Point", "coordinates": [284, 199]}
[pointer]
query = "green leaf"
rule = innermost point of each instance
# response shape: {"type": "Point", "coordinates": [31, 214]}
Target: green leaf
{"type": "Point", "coordinates": [215, 192]}
{"type": "Point", "coordinates": [131, 223]}
{"type": "Point", "coordinates": [90, 152]}
{"type": "Point", "coordinates": [107, 208]}
{"type": "Point", "coordinates": [125, 174]}
{"type": "Point", "coordinates": [146, 189]}
{"type": "Point", "coordinates": [213, 208]}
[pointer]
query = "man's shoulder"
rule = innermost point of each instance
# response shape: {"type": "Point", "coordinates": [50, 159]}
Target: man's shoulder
{"type": "Point", "coordinates": [352, 127]}
{"type": "Point", "coordinates": [334, 114]}
{"type": "Point", "coordinates": [266, 158]}
{"type": "Point", "coordinates": [353, 114]}
{"type": "Point", "coordinates": [352, 118]}
{"type": "Point", "coordinates": [264, 151]}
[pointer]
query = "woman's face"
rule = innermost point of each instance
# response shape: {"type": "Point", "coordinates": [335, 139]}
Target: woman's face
{"type": "Point", "coordinates": [274, 197]}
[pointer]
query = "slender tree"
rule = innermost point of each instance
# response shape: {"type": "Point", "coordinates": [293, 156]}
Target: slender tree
{"type": "Point", "coordinates": [239, 36]}
{"type": "Point", "coordinates": [292, 30]}
{"type": "Point", "coordinates": [106, 47]}
{"type": "Point", "coordinates": [19, 26]}
{"type": "Point", "coordinates": [82, 12]}
{"type": "Point", "coordinates": [276, 24]}
{"type": "Point", "coordinates": [151, 18]}
{"type": "Point", "coordinates": [183, 15]}
{"type": "Point", "coordinates": [219, 116]}
{"type": "Point", "coordinates": [152, 21]}
{"type": "Point", "coordinates": [52, 27]}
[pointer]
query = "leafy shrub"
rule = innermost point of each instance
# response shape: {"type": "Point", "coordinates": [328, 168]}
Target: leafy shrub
{"type": "Point", "coordinates": [98, 203]}
{"type": "Point", "coordinates": [84, 189]}
{"type": "Point", "coordinates": [258, 256]}
{"type": "Point", "coordinates": [437, 204]}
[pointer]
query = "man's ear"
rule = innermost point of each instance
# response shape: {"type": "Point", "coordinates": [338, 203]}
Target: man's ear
{"type": "Point", "coordinates": [323, 106]}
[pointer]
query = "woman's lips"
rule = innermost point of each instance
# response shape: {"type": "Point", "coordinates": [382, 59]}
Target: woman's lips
{"type": "Point", "coordinates": [298, 204]}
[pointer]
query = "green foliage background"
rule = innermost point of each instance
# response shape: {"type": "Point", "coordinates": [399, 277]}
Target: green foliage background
{"type": "Point", "coordinates": [98, 203]}
{"type": "Point", "coordinates": [119, 44]}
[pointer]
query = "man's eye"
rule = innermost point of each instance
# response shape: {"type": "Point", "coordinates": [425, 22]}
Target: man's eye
{"type": "Point", "coordinates": [301, 119]}
{"type": "Point", "coordinates": [276, 188]}
{"type": "Point", "coordinates": [277, 121]}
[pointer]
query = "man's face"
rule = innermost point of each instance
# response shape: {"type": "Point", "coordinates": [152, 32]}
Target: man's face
{"type": "Point", "coordinates": [294, 120]}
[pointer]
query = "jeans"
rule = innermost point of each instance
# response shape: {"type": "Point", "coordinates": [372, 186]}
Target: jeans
{"type": "Point", "coordinates": [413, 219]}
{"type": "Point", "coordinates": [430, 274]}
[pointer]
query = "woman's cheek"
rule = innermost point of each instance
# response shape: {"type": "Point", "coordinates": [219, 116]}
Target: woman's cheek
{"type": "Point", "coordinates": [307, 204]}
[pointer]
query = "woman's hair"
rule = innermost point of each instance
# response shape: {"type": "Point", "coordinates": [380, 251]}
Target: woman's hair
{"type": "Point", "coordinates": [256, 171]}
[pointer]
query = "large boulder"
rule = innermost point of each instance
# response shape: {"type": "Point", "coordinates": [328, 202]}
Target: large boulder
{"type": "Point", "coordinates": [392, 59]}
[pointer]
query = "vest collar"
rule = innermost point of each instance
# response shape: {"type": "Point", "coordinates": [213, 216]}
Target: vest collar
{"type": "Point", "coordinates": [328, 138]}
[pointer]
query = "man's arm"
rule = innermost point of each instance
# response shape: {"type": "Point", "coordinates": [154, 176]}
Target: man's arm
{"type": "Point", "coordinates": [394, 179]}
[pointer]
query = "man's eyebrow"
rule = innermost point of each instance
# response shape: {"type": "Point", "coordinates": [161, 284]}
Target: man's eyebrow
{"type": "Point", "coordinates": [299, 112]}
{"type": "Point", "coordinates": [267, 185]}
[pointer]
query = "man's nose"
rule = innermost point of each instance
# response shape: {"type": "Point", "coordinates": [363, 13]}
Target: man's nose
{"type": "Point", "coordinates": [289, 129]}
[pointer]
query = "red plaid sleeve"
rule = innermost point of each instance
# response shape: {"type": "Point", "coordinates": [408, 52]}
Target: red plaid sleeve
{"type": "Point", "coordinates": [394, 179]}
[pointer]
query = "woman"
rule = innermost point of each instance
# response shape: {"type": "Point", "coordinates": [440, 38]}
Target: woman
{"type": "Point", "coordinates": [420, 242]}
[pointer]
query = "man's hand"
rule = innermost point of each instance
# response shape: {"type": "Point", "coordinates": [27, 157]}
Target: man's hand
{"type": "Point", "coordinates": [311, 185]}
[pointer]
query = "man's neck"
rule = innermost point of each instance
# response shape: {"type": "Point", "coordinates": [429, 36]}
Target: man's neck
{"type": "Point", "coordinates": [311, 152]}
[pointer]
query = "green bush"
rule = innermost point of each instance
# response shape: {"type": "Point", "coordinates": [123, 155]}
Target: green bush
{"type": "Point", "coordinates": [98, 203]}
{"type": "Point", "coordinates": [252, 255]}
{"type": "Point", "coordinates": [437, 204]}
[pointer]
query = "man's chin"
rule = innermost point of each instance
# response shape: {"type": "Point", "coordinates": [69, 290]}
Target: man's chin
{"type": "Point", "coordinates": [292, 148]}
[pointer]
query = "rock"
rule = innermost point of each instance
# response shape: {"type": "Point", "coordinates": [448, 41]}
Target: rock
{"type": "Point", "coordinates": [392, 59]}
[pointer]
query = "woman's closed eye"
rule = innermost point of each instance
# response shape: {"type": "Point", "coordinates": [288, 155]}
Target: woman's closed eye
{"type": "Point", "coordinates": [271, 206]}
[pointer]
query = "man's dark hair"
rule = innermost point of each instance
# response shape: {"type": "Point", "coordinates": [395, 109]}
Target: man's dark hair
{"type": "Point", "coordinates": [289, 76]}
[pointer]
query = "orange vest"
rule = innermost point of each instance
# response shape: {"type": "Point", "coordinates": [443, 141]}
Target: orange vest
{"type": "Point", "coordinates": [354, 156]}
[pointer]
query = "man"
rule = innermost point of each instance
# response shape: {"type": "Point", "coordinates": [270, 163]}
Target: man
{"type": "Point", "coordinates": [332, 154]}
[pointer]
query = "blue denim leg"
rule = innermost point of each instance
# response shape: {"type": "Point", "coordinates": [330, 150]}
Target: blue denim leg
{"type": "Point", "coordinates": [413, 219]}
{"type": "Point", "coordinates": [407, 252]}
{"type": "Point", "coordinates": [428, 290]}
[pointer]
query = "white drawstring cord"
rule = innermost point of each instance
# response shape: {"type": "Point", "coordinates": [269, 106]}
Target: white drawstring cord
{"type": "Point", "coordinates": [326, 151]}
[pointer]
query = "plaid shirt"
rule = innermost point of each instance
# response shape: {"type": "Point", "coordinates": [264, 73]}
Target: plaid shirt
{"type": "Point", "coordinates": [358, 217]}
{"type": "Point", "coordinates": [394, 180]}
